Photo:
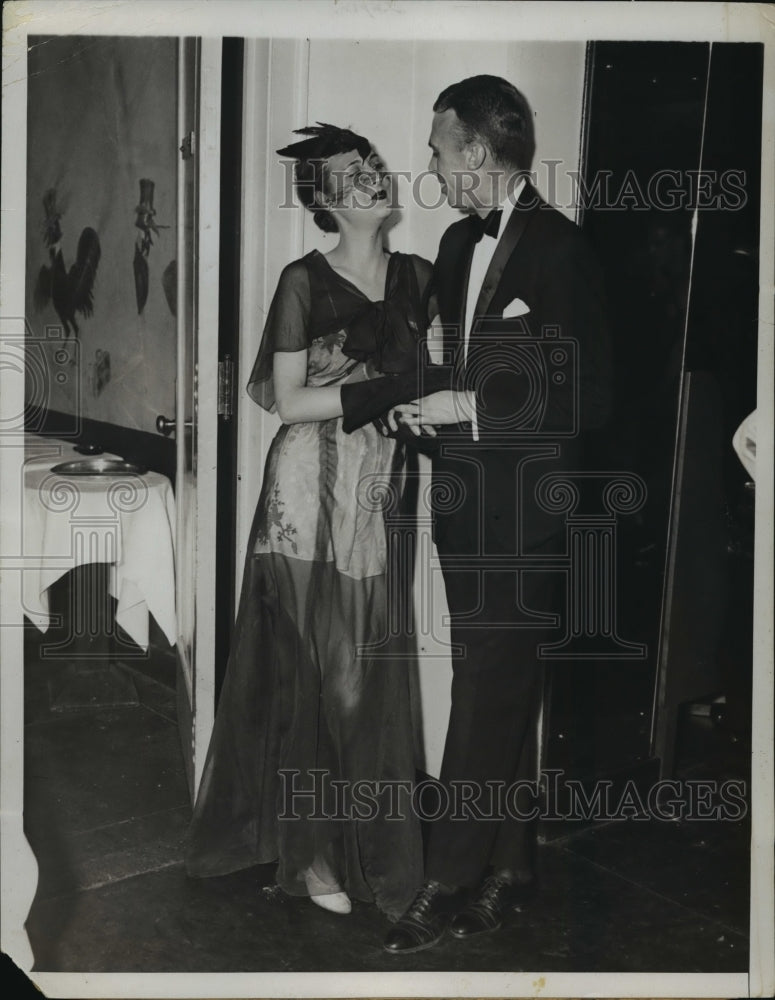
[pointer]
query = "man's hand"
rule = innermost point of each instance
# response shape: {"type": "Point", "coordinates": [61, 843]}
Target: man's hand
{"type": "Point", "coordinates": [440, 408]}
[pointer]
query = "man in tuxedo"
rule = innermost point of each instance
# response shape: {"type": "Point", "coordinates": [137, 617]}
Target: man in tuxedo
{"type": "Point", "coordinates": [520, 298]}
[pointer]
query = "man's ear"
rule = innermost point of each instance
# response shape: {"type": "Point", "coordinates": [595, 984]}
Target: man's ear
{"type": "Point", "coordinates": [476, 154]}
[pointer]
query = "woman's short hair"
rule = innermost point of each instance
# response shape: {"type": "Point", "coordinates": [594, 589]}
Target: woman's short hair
{"type": "Point", "coordinates": [309, 172]}
{"type": "Point", "coordinates": [493, 110]}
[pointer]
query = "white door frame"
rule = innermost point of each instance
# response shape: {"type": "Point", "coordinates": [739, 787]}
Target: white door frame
{"type": "Point", "coordinates": [198, 670]}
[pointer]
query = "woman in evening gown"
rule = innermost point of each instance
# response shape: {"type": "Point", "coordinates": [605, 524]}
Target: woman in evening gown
{"type": "Point", "coordinates": [317, 685]}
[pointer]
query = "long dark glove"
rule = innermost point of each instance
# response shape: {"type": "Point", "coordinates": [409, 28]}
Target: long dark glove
{"type": "Point", "coordinates": [364, 402]}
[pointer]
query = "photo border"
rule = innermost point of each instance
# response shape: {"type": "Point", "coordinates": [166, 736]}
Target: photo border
{"type": "Point", "coordinates": [393, 20]}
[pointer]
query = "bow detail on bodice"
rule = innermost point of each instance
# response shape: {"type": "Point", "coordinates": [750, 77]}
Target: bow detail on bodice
{"type": "Point", "coordinates": [385, 334]}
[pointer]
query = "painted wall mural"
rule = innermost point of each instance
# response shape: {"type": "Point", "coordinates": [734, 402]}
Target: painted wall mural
{"type": "Point", "coordinates": [71, 290]}
{"type": "Point", "coordinates": [99, 372]}
{"type": "Point", "coordinates": [144, 222]}
{"type": "Point", "coordinates": [101, 126]}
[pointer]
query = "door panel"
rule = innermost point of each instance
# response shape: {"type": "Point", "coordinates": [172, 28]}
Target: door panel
{"type": "Point", "coordinates": [199, 82]}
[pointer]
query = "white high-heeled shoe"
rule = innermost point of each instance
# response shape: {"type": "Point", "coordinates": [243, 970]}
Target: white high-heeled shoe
{"type": "Point", "coordinates": [334, 902]}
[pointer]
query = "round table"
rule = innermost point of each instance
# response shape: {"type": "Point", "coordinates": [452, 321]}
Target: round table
{"type": "Point", "coordinates": [125, 521]}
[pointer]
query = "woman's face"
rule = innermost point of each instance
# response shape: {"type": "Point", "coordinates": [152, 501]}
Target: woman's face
{"type": "Point", "coordinates": [358, 188]}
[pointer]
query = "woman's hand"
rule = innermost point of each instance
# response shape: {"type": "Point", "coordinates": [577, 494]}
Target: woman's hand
{"type": "Point", "coordinates": [438, 409]}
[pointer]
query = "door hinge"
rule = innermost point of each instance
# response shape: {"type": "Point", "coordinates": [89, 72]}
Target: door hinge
{"type": "Point", "coordinates": [225, 387]}
{"type": "Point", "coordinates": [188, 146]}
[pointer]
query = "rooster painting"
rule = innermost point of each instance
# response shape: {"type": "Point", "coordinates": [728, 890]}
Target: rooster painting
{"type": "Point", "coordinates": [69, 291]}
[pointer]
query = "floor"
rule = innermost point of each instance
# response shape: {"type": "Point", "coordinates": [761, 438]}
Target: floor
{"type": "Point", "coordinates": [107, 808]}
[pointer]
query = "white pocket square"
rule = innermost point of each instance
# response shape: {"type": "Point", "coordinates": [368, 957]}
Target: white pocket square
{"type": "Point", "coordinates": [515, 308]}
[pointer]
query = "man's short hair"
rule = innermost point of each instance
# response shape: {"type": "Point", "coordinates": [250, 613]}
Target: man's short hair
{"type": "Point", "coordinates": [492, 110]}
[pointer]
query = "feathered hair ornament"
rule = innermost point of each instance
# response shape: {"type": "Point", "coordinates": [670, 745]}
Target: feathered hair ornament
{"type": "Point", "coordinates": [324, 141]}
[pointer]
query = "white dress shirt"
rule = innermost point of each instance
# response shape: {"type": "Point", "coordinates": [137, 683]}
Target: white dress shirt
{"type": "Point", "coordinates": [484, 251]}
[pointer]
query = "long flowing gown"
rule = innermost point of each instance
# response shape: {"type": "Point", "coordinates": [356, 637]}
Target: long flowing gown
{"type": "Point", "coordinates": [317, 685]}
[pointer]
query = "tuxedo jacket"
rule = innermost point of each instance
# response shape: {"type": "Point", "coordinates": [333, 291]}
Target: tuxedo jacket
{"type": "Point", "coordinates": [539, 364]}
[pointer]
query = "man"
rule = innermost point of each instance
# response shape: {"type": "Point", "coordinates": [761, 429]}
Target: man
{"type": "Point", "coordinates": [519, 296]}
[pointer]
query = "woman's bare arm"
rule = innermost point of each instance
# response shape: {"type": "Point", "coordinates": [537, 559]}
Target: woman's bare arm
{"type": "Point", "coordinates": [296, 401]}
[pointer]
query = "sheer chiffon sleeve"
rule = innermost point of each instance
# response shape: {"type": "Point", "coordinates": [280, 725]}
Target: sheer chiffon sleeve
{"type": "Point", "coordinates": [424, 272]}
{"type": "Point", "coordinates": [287, 329]}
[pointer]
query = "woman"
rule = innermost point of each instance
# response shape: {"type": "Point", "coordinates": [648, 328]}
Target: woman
{"type": "Point", "coordinates": [316, 688]}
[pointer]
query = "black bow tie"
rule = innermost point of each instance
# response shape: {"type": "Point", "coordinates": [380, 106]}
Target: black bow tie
{"type": "Point", "coordinates": [487, 226]}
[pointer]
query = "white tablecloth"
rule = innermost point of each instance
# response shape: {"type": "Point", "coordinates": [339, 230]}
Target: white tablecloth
{"type": "Point", "coordinates": [127, 521]}
{"type": "Point", "coordinates": [744, 443]}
